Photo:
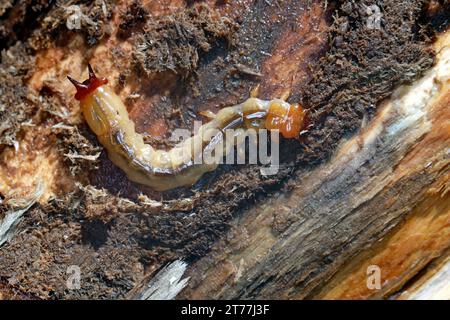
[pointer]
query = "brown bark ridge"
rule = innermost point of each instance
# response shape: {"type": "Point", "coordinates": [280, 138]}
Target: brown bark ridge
{"type": "Point", "coordinates": [369, 175]}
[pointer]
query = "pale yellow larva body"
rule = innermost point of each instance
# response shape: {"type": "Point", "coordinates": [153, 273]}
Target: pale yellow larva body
{"type": "Point", "coordinates": [162, 170]}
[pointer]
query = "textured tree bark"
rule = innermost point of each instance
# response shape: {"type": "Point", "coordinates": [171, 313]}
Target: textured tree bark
{"type": "Point", "coordinates": [365, 188]}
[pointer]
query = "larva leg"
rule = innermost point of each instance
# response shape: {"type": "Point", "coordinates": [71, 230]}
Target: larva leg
{"type": "Point", "coordinates": [208, 114]}
{"type": "Point", "coordinates": [254, 93]}
{"type": "Point", "coordinates": [285, 95]}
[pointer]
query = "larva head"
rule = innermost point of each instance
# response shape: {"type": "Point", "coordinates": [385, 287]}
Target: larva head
{"type": "Point", "coordinates": [87, 92]}
{"type": "Point", "coordinates": [287, 118]}
{"type": "Point", "coordinates": [88, 86]}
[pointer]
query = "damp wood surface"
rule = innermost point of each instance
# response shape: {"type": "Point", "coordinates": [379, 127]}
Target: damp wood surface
{"type": "Point", "coordinates": [366, 185]}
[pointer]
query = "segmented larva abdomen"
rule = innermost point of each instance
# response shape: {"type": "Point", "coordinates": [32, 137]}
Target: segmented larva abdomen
{"type": "Point", "coordinates": [162, 170]}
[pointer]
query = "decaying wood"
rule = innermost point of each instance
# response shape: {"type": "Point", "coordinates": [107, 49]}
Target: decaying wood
{"type": "Point", "coordinates": [367, 185]}
{"type": "Point", "coordinates": [167, 283]}
{"type": "Point", "coordinates": [394, 173]}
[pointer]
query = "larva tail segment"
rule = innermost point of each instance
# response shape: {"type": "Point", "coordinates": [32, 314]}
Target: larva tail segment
{"type": "Point", "coordinates": [87, 86]}
{"type": "Point", "coordinates": [289, 119]}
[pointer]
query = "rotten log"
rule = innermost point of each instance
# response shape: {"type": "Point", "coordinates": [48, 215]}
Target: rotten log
{"type": "Point", "coordinates": [367, 185]}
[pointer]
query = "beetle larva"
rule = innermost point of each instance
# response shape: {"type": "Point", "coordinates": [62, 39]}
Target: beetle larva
{"type": "Point", "coordinates": [162, 170]}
